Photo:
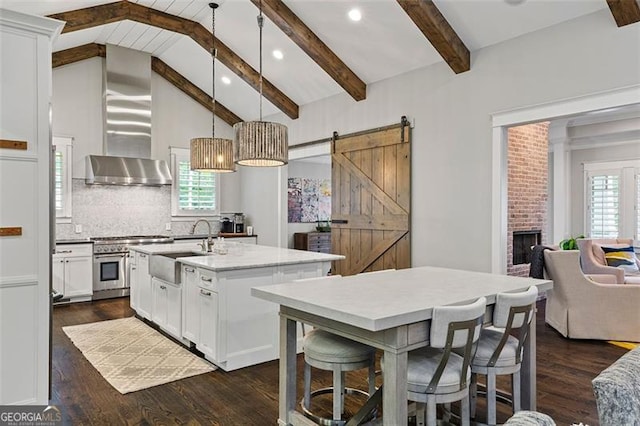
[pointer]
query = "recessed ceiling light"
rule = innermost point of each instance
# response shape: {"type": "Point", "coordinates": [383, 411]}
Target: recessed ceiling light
{"type": "Point", "coordinates": [226, 80]}
{"type": "Point", "coordinates": [278, 54]}
{"type": "Point", "coordinates": [355, 15]}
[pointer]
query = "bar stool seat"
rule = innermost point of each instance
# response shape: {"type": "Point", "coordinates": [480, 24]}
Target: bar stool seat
{"type": "Point", "coordinates": [498, 352]}
{"type": "Point", "coordinates": [487, 345]}
{"type": "Point", "coordinates": [320, 346]}
{"type": "Point", "coordinates": [328, 351]}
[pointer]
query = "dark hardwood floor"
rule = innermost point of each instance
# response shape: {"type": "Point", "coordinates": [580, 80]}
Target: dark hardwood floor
{"type": "Point", "coordinates": [249, 396]}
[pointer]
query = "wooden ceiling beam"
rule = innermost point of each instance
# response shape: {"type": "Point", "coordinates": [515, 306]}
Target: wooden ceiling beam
{"type": "Point", "coordinates": [193, 91]}
{"type": "Point", "coordinates": [112, 12]}
{"type": "Point", "coordinates": [78, 53]}
{"type": "Point", "coordinates": [440, 34]}
{"type": "Point", "coordinates": [311, 44]}
{"type": "Point", "coordinates": [89, 17]}
{"type": "Point", "coordinates": [625, 12]}
{"type": "Point", "coordinates": [86, 51]}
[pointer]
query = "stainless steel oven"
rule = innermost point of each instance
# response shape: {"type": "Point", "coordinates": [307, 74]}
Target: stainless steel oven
{"type": "Point", "coordinates": [110, 273]}
{"type": "Point", "coordinates": [111, 263]}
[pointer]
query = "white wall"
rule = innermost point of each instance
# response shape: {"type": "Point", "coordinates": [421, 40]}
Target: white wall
{"type": "Point", "coordinates": [579, 157]}
{"type": "Point", "coordinates": [264, 203]}
{"type": "Point", "coordinates": [451, 145]}
{"type": "Point", "coordinates": [305, 169]}
{"type": "Point", "coordinates": [176, 118]}
{"type": "Point", "coordinates": [452, 134]}
{"type": "Point", "coordinates": [77, 109]}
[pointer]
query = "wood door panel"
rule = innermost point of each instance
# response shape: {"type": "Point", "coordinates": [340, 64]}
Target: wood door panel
{"type": "Point", "coordinates": [371, 140]}
{"type": "Point", "coordinates": [371, 222]}
{"type": "Point", "coordinates": [378, 192]}
{"type": "Point", "coordinates": [371, 174]}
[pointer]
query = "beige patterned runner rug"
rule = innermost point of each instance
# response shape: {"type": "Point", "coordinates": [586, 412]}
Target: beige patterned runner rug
{"type": "Point", "coordinates": [131, 356]}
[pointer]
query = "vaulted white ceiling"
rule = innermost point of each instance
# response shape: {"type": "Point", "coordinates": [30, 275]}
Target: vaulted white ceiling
{"type": "Point", "coordinates": [385, 43]}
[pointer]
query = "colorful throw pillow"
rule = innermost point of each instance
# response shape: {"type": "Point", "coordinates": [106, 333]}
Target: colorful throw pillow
{"type": "Point", "coordinates": [621, 257]}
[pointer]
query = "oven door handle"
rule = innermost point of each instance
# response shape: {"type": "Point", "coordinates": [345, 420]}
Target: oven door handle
{"type": "Point", "coordinates": [103, 256]}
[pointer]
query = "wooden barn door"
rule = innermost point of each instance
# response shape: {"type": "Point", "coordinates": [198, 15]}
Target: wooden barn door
{"type": "Point", "coordinates": [371, 200]}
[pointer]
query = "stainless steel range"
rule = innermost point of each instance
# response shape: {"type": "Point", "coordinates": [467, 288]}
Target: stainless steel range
{"type": "Point", "coordinates": [111, 263]}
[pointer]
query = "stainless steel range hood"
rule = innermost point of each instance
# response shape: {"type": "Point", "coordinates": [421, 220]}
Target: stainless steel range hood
{"type": "Point", "coordinates": [107, 170]}
{"type": "Point", "coordinates": [127, 124]}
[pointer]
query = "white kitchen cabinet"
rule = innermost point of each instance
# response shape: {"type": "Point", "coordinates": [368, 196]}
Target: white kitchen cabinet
{"type": "Point", "coordinates": [73, 271]}
{"type": "Point", "coordinates": [190, 309]}
{"type": "Point", "coordinates": [167, 306]}
{"type": "Point", "coordinates": [144, 289]}
{"type": "Point", "coordinates": [229, 326]}
{"type": "Point", "coordinates": [25, 258]}
{"type": "Point", "coordinates": [133, 280]}
{"type": "Point", "coordinates": [208, 312]}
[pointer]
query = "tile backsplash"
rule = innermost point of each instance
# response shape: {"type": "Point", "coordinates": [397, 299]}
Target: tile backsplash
{"type": "Point", "coordinates": [109, 210]}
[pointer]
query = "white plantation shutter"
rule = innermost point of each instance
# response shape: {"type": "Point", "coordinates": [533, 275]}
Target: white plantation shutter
{"type": "Point", "coordinates": [603, 205]}
{"type": "Point", "coordinates": [194, 193]}
{"type": "Point", "coordinates": [58, 181]}
{"type": "Point", "coordinates": [62, 177]}
{"type": "Point", "coordinates": [196, 189]}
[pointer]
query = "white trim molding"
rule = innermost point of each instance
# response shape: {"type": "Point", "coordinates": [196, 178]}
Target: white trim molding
{"type": "Point", "coordinates": [615, 98]}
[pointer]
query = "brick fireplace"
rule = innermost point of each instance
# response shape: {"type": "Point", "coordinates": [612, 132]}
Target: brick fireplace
{"type": "Point", "coordinates": [527, 193]}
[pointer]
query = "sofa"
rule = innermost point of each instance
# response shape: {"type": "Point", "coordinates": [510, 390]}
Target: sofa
{"type": "Point", "coordinates": [530, 418]}
{"type": "Point", "coordinates": [592, 258]}
{"type": "Point", "coordinates": [581, 308]}
{"type": "Point", "coordinates": [617, 391]}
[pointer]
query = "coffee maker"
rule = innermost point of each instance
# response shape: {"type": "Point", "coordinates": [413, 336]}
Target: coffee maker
{"type": "Point", "coordinates": [232, 223]}
{"type": "Point", "coordinates": [238, 223]}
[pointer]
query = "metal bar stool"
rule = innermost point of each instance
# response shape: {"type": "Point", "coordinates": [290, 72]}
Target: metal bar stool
{"type": "Point", "coordinates": [499, 352]}
{"type": "Point", "coordinates": [328, 351]}
{"type": "Point", "coordinates": [440, 373]}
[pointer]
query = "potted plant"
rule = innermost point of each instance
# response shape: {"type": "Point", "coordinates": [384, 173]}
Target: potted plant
{"type": "Point", "coordinates": [570, 243]}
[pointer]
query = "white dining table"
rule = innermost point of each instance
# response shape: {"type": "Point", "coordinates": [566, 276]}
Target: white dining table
{"type": "Point", "coordinates": [390, 311]}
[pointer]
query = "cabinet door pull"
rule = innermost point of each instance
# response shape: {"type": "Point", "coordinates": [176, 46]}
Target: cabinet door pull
{"type": "Point", "coordinates": [207, 279]}
{"type": "Point", "coordinates": [143, 255]}
{"type": "Point", "coordinates": [133, 268]}
{"type": "Point", "coordinates": [205, 293]}
{"type": "Point", "coordinates": [189, 269]}
{"type": "Point", "coordinates": [162, 287]}
{"type": "Point", "coordinates": [341, 221]}
{"type": "Point", "coordinates": [64, 251]}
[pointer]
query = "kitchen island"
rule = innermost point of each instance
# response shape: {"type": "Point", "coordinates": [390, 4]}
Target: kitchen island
{"type": "Point", "coordinates": [209, 303]}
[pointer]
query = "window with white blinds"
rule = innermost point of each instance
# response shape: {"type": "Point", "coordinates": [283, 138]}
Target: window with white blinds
{"type": "Point", "coordinates": [194, 193]}
{"type": "Point", "coordinates": [604, 206]}
{"type": "Point", "coordinates": [62, 178]}
{"type": "Point", "coordinates": [612, 195]}
{"type": "Point", "coordinates": [58, 181]}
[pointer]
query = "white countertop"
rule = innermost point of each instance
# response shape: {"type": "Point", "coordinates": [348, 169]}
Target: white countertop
{"type": "Point", "coordinates": [240, 256]}
{"type": "Point", "coordinates": [164, 248]}
{"type": "Point", "coordinates": [384, 300]}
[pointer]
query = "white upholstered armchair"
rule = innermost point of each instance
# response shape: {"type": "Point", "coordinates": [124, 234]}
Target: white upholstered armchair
{"type": "Point", "coordinates": [581, 308]}
{"type": "Point", "coordinates": [592, 258]}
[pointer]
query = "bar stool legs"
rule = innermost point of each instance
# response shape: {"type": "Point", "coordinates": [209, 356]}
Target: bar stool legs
{"type": "Point", "coordinates": [337, 354]}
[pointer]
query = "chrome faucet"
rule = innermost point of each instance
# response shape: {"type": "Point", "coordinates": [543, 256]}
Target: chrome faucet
{"type": "Point", "coordinates": [208, 245]}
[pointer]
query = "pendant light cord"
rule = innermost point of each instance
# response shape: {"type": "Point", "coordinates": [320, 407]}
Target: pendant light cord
{"type": "Point", "coordinates": [260, 25]}
{"type": "Point", "coordinates": [213, 69]}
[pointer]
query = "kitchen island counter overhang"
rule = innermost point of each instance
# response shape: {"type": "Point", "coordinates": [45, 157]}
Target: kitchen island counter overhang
{"type": "Point", "coordinates": [210, 306]}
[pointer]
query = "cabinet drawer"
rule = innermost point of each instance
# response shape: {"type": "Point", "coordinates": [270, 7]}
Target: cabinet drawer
{"type": "Point", "coordinates": [71, 250]}
{"type": "Point", "coordinates": [320, 239]}
{"type": "Point", "coordinates": [208, 280]}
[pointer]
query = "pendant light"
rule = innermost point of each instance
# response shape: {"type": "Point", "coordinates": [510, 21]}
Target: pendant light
{"type": "Point", "coordinates": [212, 154]}
{"type": "Point", "coordinates": [261, 143]}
